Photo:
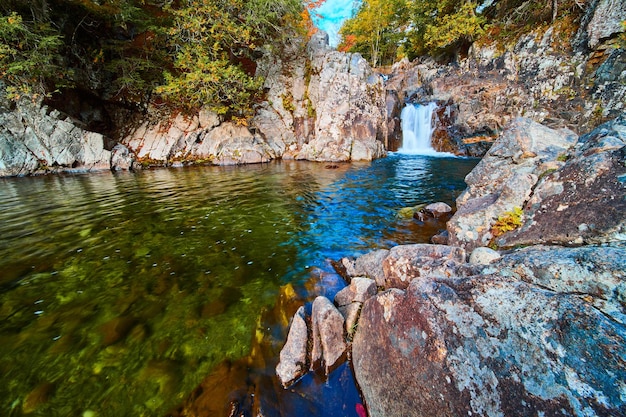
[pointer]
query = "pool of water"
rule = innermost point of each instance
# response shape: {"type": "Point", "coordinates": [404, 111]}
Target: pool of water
{"type": "Point", "coordinates": [121, 293]}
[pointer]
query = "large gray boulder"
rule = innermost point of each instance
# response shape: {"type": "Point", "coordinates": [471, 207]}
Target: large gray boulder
{"type": "Point", "coordinates": [505, 178]}
{"type": "Point", "coordinates": [493, 345]}
{"type": "Point", "coordinates": [584, 200]}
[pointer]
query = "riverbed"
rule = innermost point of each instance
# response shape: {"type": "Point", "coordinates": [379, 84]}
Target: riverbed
{"type": "Point", "coordinates": [120, 293]}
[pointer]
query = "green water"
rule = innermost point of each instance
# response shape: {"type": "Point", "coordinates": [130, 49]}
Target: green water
{"type": "Point", "coordinates": [120, 292]}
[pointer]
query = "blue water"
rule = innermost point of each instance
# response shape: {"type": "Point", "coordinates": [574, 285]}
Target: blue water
{"type": "Point", "coordinates": [120, 293]}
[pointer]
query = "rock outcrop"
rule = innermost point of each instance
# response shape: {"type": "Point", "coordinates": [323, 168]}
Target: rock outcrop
{"type": "Point", "coordinates": [567, 193]}
{"type": "Point", "coordinates": [489, 345]}
{"type": "Point", "coordinates": [37, 139]}
{"type": "Point", "coordinates": [323, 105]}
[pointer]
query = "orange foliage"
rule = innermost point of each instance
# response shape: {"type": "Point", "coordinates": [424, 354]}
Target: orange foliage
{"type": "Point", "coordinates": [348, 42]}
{"type": "Point", "coordinates": [307, 22]}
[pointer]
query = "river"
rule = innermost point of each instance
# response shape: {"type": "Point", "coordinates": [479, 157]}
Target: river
{"type": "Point", "coordinates": [120, 293]}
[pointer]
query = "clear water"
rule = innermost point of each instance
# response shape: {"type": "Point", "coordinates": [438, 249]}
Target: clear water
{"type": "Point", "coordinates": [120, 293]}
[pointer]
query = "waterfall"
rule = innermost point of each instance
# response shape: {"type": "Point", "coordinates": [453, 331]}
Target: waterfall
{"type": "Point", "coordinates": [417, 129]}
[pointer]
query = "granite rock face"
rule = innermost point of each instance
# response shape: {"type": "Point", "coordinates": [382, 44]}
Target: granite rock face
{"type": "Point", "coordinates": [37, 139]}
{"type": "Point", "coordinates": [582, 201]}
{"type": "Point", "coordinates": [323, 105]}
{"type": "Point", "coordinates": [488, 345]}
{"type": "Point", "coordinates": [505, 178]}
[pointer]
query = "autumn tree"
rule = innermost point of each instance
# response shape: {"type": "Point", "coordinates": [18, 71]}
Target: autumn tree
{"type": "Point", "coordinates": [376, 30]}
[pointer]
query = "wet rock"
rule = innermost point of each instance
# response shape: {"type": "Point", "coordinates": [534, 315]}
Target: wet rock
{"type": "Point", "coordinates": [407, 262]}
{"type": "Point", "coordinates": [293, 356]}
{"type": "Point", "coordinates": [37, 397]}
{"type": "Point", "coordinates": [116, 329]}
{"type": "Point", "coordinates": [487, 345]}
{"type": "Point", "coordinates": [438, 210]}
{"type": "Point", "coordinates": [329, 346]}
{"type": "Point", "coordinates": [440, 238]}
{"type": "Point", "coordinates": [483, 256]}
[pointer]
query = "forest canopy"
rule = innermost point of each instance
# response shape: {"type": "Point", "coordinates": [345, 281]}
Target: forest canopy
{"type": "Point", "coordinates": [187, 53]}
{"type": "Point", "coordinates": [384, 31]}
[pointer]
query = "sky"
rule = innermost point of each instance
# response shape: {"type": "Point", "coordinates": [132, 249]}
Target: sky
{"type": "Point", "coordinates": [332, 14]}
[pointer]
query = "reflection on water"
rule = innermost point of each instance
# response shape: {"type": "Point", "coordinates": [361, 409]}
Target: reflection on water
{"type": "Point", "coordinates": [120, 292]}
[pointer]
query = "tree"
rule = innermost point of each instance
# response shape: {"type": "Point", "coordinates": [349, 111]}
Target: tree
{"type": "Point", "coordinates": [376, 30]}
{"type": "Point", "coordinates": [215, 43]}
{"type": "Point", "coordinates": [29, 56]}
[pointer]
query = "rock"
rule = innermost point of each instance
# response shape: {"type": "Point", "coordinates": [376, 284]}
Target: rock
{"type": "Point", "coordinates": [329, 107]}
{"type": "Point", "coordinates": [368, 265]}
{"type": "Point", "coordinates": [116, 329]}
{"type": "Point", "coordinates": [504, 179]}
{"type": "Point", "coordinates": [585, 200]}
{"type": "Point", "coordinates": [350, 313]}
{"type": "Point", "coordinates": [37, 397]}
{"type": "Point", "coordinates": [596, 274]}
{"type": "Point", "coordinates": [329, 345]}
{"type": "Point", "coordinates": [408, 262]}
{"type": "Point", "coordinates": [606, 22]}
{"type": "Point", "coordinates": [293, 357]}
{"type": "Point", "coordinates": [483, 256]}
{"type": "Point", "coordinates": [121, 158]}
{"type": "Point", "coordinates": [440, 238]}
{"type": "Point", "coordinates": [359, 290]}
{"type": "Point", "coordinates": [34, 139]}
{"type": "Point", "coordinates": [438, 210]}
{"type": "Point", "coordinates": [199, 138]}
{"type": "Point", "coordinates": [487, 345]}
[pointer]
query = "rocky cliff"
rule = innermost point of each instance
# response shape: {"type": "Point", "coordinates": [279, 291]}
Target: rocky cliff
{"type": "Point", "coordinates": [564, 75]}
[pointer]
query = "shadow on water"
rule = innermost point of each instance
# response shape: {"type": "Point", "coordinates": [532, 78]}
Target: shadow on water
{"type": "Point", "coordinates": [137, 294]}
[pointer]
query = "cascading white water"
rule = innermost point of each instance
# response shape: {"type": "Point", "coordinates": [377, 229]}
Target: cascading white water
{"type": "Point", "coordinates": [417, 129]}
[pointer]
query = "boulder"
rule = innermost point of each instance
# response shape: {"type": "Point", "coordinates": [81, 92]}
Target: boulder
{"type": "Point", "coordinates": [294, 356]}
{"type": "Point", "coordinates": [438, 210]}
{"type": "Point", "coordinates": [359, 290]}
{"type": "Point", "coordinates": [487, 345]}
{"type": "Point", "coordinates": [582, 202]}
{"type": "Point", "coordinates": [483, 256]}
{"type": "Point", "coordinates": [504, 179]}
{"type": "Point", "coordinates": [369, 265]}
{"type": "Point", "coordinates": [329, 345]}
{"type": "Point", "coordinates": [405, 263]}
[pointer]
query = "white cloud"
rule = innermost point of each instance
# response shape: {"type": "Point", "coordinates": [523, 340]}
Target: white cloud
{"type": "Point", "coordinates": [332, 14]}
